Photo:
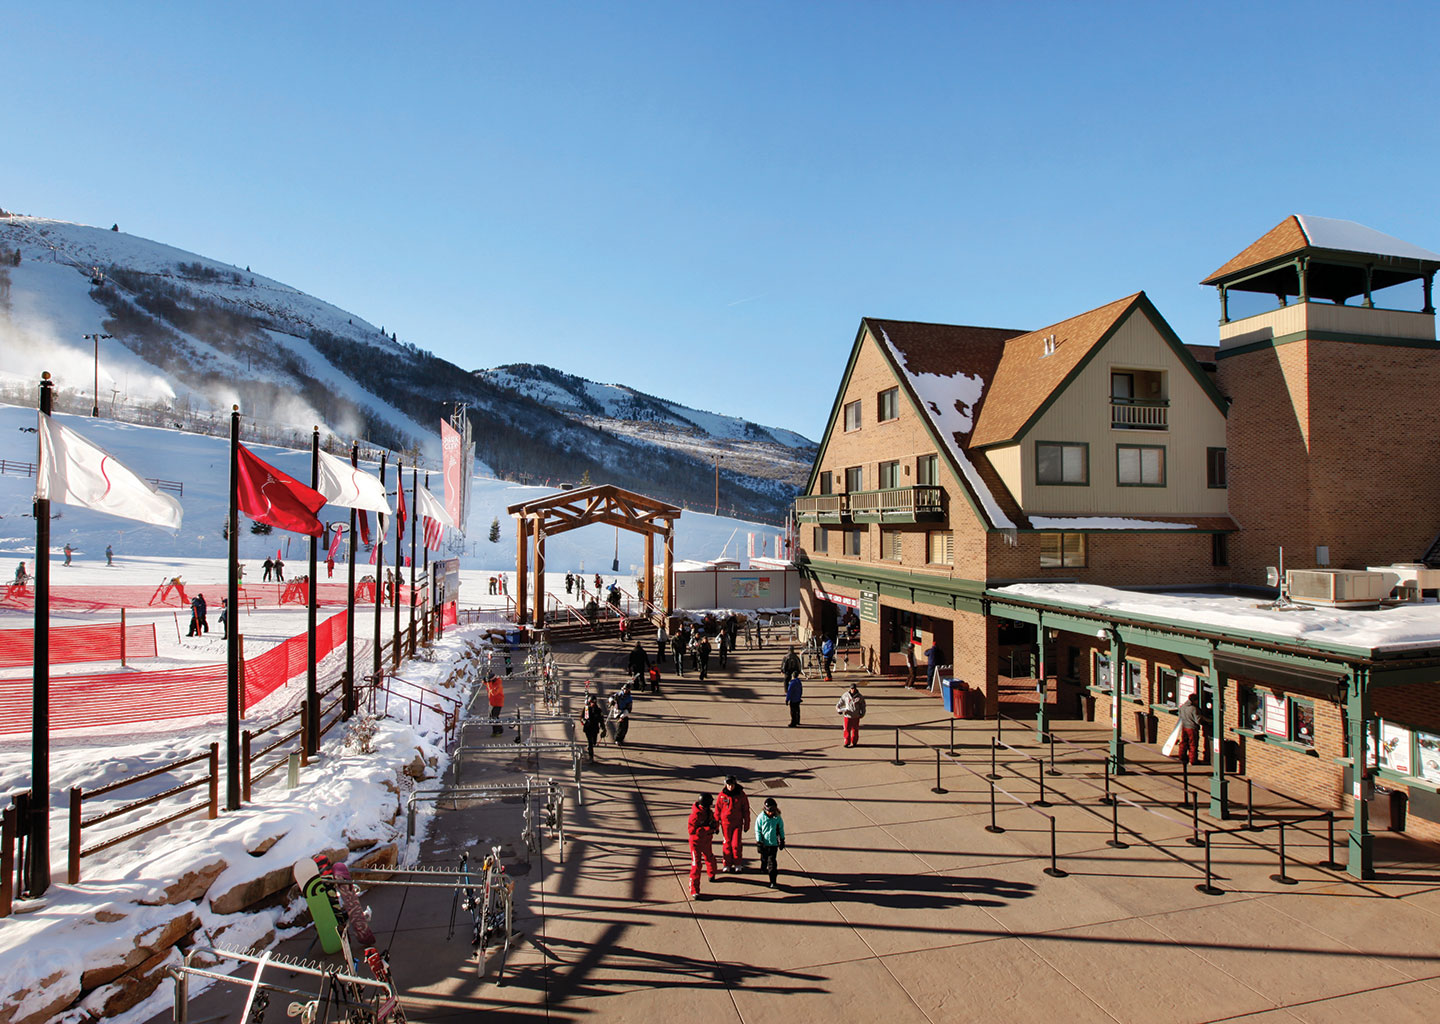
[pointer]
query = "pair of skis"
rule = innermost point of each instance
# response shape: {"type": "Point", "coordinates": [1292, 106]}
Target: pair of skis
{"type": "Point", "coordinates": [334, 904]}
{"type": "Point", "coordinates": [492, 909]}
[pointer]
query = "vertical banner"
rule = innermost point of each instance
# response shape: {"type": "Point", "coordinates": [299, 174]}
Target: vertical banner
{"type": "Point", "coordinates": [452, 448]}
{"type": "Point", "coordinates": [750, 545]}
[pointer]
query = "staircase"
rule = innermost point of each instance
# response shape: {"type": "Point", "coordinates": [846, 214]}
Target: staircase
{"type": "Point", "coordinates": [560, 631]}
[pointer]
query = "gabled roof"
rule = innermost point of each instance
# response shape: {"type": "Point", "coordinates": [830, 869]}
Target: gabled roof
{"type": "Point", "coordinates": [1027, 377]}
{"type": "Point", "coordinates": [1299, 232]}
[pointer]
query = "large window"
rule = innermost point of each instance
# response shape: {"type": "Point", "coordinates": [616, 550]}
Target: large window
{"type": "Point", "coordinates": [1062, 551]}
{"type": "Point", "coordinates": [1139, 465]}
{"type": "Point", "coordinates": [889, 475]}
{"type": "Point", "coordinates": [852, 415]}
{"type": "Point", "coordinates": [827, 482]}
{"type": "Point", "coordinates": [1215, 467]}
{"type": "Point", "coordinates": [1060, 463]}
{"type": "Point", "coordinates": [854, 479]}
{"type": "Point", "coordinates": [887, 404]}
{"type": "Point", "coordinates": [1167, 687]}
{"type": "Point", "coordinates": [1132, 678]}
{"type": "Point", "coordinates": [1302, 722]}
{"type": "Point", "coordinates": [1100, 678]}
{"type": "Point", "coordinates": [940, 547]}
{"type": "Point", "coordinates": [822, 540]}
{"type": "Point", "coordinates": [1252, 709]}
{"type": "Point", "coordinates": [927, 470]}
{"type": "Point", "coordinates": [851, 540]}
{"type": "Point", "coordinates": [890, 545]}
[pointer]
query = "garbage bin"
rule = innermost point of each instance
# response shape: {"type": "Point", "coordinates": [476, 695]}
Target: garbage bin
{"type": "Point", "coordinates": [953, 692]}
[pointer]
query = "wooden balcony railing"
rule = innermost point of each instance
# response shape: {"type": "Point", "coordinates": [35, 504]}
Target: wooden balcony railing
{"type": "Point", "coordinates": [897, 502]}
{"type": "Point", "coordinates": [1138, 414]}
{"type": "Point", "coordinates": [829, 505]}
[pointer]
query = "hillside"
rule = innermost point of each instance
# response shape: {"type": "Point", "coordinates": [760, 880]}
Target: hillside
{"type": "Point", "coordinates": [193, 335]}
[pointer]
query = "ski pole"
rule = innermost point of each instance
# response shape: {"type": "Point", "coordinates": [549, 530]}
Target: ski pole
{"type": "Point", "coordinates": [938, 788]}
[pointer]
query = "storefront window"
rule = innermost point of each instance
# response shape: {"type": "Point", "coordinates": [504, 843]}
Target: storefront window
{"type": "Point", "coordinates": [1130, 682]}
{"type": "Point", "coordinates": [1302, 722]}
{"type": "Point", "coordinates": [1427, 746]}
{"type": "Point", "coordinates": [1168, 688]}
{"type": "Point", "coordinates": [1252, 709]}
{"type": "Point", "coordinates": [1101, 679]}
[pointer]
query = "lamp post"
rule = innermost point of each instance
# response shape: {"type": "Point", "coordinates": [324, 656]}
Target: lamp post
{"type": "Point", "coordinates": [718, 457]}
{"type": "Point", "coordinates": [95, 409]}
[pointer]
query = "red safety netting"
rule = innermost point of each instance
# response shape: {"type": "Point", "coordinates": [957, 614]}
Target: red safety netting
{"type": "Point", "coordinates": [124, 698]}
{"type": "Point", "coordinates": [449, 614]}
{"type": "Point", "coordinates": [260, 595]}
{"type": "Point", "coordinates": [72, 644]}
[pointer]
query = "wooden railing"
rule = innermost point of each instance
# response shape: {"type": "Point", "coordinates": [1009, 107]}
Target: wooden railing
{"type": "Point", "coordinates": [896, 500]}
{"type": "Point", "coordinates": [816, 504]}
{"type": "Point", "coordinates": [77, 797]}
{"type": "Point", "coordinates": [14, 468]}
{"type": "Point", "coordinates": [1139, 414]}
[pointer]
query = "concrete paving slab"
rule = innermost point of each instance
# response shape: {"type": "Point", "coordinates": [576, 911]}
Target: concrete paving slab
{"type": "Point", "coordinates": [856, 990]}
{"type": "Point", "coordinates": [1410, 1003]}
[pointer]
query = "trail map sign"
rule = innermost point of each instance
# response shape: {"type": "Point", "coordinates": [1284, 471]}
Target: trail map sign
{"type": "Point", "coordinates": [869, 606]}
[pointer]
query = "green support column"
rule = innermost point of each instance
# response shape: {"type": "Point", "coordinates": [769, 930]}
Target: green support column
{"type": "Point", "coordinates": [1117, 659]}
{"type": "Point", "coordinates": [1219, 784]}
{"type": "Point", "coordinates": [1040, 723]}
{"type": "Point", "coordinates": [1357, 709]}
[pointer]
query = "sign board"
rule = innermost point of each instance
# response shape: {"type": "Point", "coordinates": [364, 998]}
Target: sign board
{"type": "Point", "coordinates": [750, 586]}
{"type": "Point", "coordinates": [446, 574]}
{"type": "Point", "coordinates": [1395, 748]}
{"type": "Point", "coordinates": [869, 606]}
{"type": "Point", "coordinates": [1185, 688]}
{"type": "Point", "coordinates": [1275, 719]}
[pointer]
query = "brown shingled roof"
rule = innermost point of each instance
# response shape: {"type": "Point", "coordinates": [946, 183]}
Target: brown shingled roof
{"type": "Point", "coordinates": [1281, 240]}
{"type": "Point", "coordinates": [1026, 377]}
{"type": "Point", "coordinates": [946, 349]}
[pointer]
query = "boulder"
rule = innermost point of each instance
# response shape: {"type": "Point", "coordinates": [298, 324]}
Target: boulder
{"type": "Point", "coordinates": [384, 856]}
{"type": "Point", "coordinates": [55, 992]}
{"type": "Point", "coordinates": [416, 769]}
{"type": "Point", "coordinates": [132, 988]}
{"type": "Point", "coordinates": [190, 886]}
{"type": "Point", "coordinates": [147, 945]}
{"type": "Point", "coordinates": [248, 893]}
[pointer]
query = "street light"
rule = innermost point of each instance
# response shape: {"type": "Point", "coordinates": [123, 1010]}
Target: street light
{"type": "Point", "coordinates": [95, 409]}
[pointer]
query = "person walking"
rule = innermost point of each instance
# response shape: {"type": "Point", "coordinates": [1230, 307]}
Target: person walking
{"type": "Point", "coordinates": [109, 555]}
{"type": "Point", "coordinates": [204, 611]}
{"type": "Point", "coordinates": [909, 663]}
{"type": "Point", "coordinates": [592, 717]}
{"type": "Point", "coordinates": [597, 584]}
{"type": "Point", "coordinates": [495, 690]}
{"type": "Point", "coordinates": [592, 613]}
{"type": "Point", "coordinates": [21, 575]}
{"type": "Point", "coordinates": [662, 641]}
{"type": "Point", "coordinates": [790, 666]}
{"type": "Point", "coordinates": [770, 838]}
{"type": "Point", "coordinates": [1190, 730]}
{"type": "Point", "coordinates": [224, 617]}
{"type": "Point", "coordinates": [701, 828]}
{"type": "Point", "coordinates": [279, 570]}
{"type": "Point", "coordinates": [932, 666]}
{"type": "Point", "coordinates": [827, 656]}
{"type": "Point", "coordinates": [194, 628]}
{"type": "Point", "coordinates": [732, 810]}
{"type": "Point", "coordinates": [638, 664]}
{"type": "Point", "coordinates": [620, 707]}
{"type": "Point", "coordinates": [722, 643]}
{"type": "Point", "coordinates": [794, 690]}
{"type": "Point", "coordinates": [702, 655]}
{"type": "Point", "coordinates": [851, 708]}
{"type": "Point", "coordinates": [68, 552]}
{"type": "Point", "coordinates": [268, 567]}
{"type": "Point", "coordinates": [677, 647]}
{"type": "Point", "coordinates": [569, 583]}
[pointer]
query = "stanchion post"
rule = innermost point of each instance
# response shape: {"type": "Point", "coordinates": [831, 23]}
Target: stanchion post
{"type": "Point", "coordinates": [1115, 840]}
{"type": "Point", "coordinates": [1185, 781]}
{"type": "Point", "coordinates": [993, 827]}
{"type": "Point", "coordinates": [1051, 737]}
{"type": "Point", "coordinates": [994, 776]}
{"type": "Point", "coordinates": [938, 788]}
{"type": "Point", "coordinates": [1194, 839]}
{"type": "Point", "coordinates": [1107, 798]}
{"type": "Point", "coordinates": [1208, 886]}
{"type": "Point", "coordinates": [1281, 876]}
{"type": "Point", "coordinates": [1249, 805]}
{"type": "Point", "coordinates": [952, 734]}
{"type": "Point", "coordinates": [897, 748]}
{"type": "Point", "coordinates": [999, 726]}
{"type": "Point", "coordinates": [1330, 861]}
{"type": "Point", "coordinates": [1054, 869]}
{"type": "Point", "coordinates": [1040, 775]}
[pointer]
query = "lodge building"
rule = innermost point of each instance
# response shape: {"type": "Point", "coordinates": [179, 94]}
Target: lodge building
{"type": "Point", "coordinates": [1094, 505]}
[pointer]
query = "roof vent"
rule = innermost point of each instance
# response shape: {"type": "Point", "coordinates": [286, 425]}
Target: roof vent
{"type": "Point", "coordinates": [1049, 346]}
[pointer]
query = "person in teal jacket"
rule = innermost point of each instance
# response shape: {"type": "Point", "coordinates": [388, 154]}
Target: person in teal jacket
{"type": "Point", "coordinates": [770, 837]}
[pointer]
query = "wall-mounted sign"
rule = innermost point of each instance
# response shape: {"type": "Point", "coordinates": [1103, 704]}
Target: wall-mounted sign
{"type": "Point", "coordinates": [1395, 748]}
{"type": "Point", "coordinates": [1185, 688]}
{"type": "Point", "coordinates": [869, 606]}
{"type": "Point", "coordinates": [1275, 717]}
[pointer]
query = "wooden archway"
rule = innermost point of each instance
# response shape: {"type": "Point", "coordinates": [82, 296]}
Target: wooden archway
{"type": "Point", "coordinates": [569, 510]}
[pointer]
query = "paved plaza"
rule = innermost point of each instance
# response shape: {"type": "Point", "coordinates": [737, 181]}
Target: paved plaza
{"type": "Point", "coordinates": [896, 904]}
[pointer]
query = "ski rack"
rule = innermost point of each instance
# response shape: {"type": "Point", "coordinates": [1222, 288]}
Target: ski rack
{"type": "Point", "coordinates": [258, 997]}
{"type": "Point", "coordinates": [528, 747]}
{"type": "Point", "coordinates": [497, 791]}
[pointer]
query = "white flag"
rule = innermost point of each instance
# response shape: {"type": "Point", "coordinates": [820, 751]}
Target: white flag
{"type": "Point", "coordinates": [426, 504]}
{"type": "Point", "coordinates": [344, 485]}
{"type": "Point", "coordinates": [73, 471]}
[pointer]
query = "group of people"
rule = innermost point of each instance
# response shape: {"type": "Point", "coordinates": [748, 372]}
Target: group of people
{"type": "Point", "coordinates": [199, 616]}
{"type": "Point", "coordinates": [274, 568]}
{"type": "Point", "coordinates": [694, 643]}
{"type": "Point", "coordinates": [616, 713]}
{"type": "Point", "coordinates": [729, 814]}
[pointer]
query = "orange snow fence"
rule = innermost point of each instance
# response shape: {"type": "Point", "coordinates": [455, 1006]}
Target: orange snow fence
{"type": "Point", "coordinates": [72, 644]}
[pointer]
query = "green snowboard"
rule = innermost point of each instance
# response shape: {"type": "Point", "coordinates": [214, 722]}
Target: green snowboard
{"type": "Point", "coordinates": [319, 893]}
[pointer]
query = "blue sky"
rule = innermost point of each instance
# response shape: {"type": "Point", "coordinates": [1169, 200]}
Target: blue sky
{"type": "Point", "coordinates": [701, 201]}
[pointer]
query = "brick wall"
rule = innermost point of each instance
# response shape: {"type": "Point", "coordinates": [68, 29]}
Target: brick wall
{"type": "Point", "coordinates": [1114, 559]}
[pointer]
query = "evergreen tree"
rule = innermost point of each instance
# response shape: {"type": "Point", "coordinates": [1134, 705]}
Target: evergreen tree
{"type": "Point", "coordinates": [495, 530]}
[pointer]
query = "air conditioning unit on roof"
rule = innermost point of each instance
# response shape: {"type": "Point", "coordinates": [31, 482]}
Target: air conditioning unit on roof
{"type": "Point", "coordinates": [1339, 588]}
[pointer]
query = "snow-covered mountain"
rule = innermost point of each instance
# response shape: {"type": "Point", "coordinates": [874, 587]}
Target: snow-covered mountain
{"type": "Point", "coordinates": [192, 335]}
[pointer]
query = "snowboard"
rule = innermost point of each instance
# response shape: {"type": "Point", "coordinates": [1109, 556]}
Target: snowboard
{"type": "Point", "coordinates": [319, 888]}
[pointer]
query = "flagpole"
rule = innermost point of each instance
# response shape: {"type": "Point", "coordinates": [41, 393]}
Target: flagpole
{"type": "Point", "coordinates": [430, 585]}
{"type": "Point", "coordinates": [379, 567]}
{"type": "Point", "coordinates": [312, 694]}
{"type": "Point", "coordinates": [414, 519]}
{"type": "Point", "coordinates": [399, 557]}
{"type": "Point", "coordinates": [233, 682]}
{"type": "Point", "coordinates": [37, 871]}
{"type": "Point", "coordinates": [347, 704]}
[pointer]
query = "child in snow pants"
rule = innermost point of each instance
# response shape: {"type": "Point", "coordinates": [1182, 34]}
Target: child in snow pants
{"type": "Point", "coordinates": [702, 838]}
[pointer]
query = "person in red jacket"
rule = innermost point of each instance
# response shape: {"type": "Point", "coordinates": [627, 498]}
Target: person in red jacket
{"type": "Point", "coordinates": [702, 841]}
{"type": "Point", "coordinates": [495, 689]}
{"type": "Point", "coordinates": [732, 808]}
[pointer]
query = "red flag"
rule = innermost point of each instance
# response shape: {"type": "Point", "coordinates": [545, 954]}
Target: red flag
{"type": "Point", "coordinates": [267, 495]}
{"type": "Point", "coordinates": [400, 512]}
{"type": "Point", "coordinates": [364, 528]}
{"type": "Point", "coordinates": [434, 533]}
{"type": "Point", "coordinates": [334, 544]}
{"type": "Point", "coordinates": [375, 554]}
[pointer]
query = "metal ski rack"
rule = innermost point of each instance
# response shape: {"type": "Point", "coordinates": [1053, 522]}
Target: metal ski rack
{"type": "Point", "coordinates": [327, 999]}
{"type": "Point", "coordinates": [494, 791]}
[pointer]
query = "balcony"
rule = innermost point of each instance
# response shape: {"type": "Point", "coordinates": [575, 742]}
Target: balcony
{"type": "Point", "coordinates": [898, 505]}
{"type": "Point", "coordinates": [820, 508]}
{"type": "Point", "coordinates": [1139, 414]}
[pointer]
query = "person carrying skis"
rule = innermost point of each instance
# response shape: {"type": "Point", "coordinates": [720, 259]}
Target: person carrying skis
{"type": "Point", "coordinates": [851, 708]}
{"type": "Point", "coordinates": [194, 628]}
{"type": "Point", "coordinates": [790, 666]}
{"type": "Point", "coordinates": [794, 690]}
{"type": "Point", "coordinates": [269, 566]}
{"type": "Point", "coordinates": [620, 707]}
{"type": "Point", "coordinates": [827, 656]}
{"type": "Point", "coordinates": [701, 828]}
{"type": "Point", "coordinates": [495, 690]}
{"type": "Point", "coordinates": [770, 838]}
{"type": "Point", "coordinates": [732, 810]}
{"type": "Point", "coordinates": [592, 717]}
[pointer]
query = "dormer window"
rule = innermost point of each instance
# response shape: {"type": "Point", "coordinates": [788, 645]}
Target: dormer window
{"type": "Point", "coordinates": [1139, 400]}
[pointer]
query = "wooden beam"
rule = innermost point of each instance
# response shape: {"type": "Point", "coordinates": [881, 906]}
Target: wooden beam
{"type": "Point", "coordinates": [522, 536]}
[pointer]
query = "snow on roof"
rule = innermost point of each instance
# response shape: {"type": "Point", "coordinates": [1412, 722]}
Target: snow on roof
{"type": "Point", "coordinates": [1360, 631]}
{"type": "Point", "coordinates": [1103, 523]}
{"type": "Point", "coordinates": [1348, 236]}
{"type": "Point", "coordinates": [951, 400]}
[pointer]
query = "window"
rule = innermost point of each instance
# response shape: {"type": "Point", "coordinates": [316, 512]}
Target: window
{"type": "Point", "coordinates": [1122, 386]}
{"type": "Point", "coordinates": [927, 471]}
{"type": "Point", "coordinates": [1057, 463]}
{"type": "Point", "coordinates": [854, 479]}
{"type": "Point", "coordinates": [852, 416]}
{"type": "Point", "coordinates": [1167, 687]}
{"type": "Point", "coordinates": [1138, 465]}
{"type": "Point", "coordinates": [822, 540]}
{"type": "Point", "coordinates": [827, 482]}
{"type": "Point", "coordinates": [940, 547]}
{"type": "Point", "coordinates": [1252, 709]}
{"type": "Point", "coordinates": [1101, 677]}
{"type": "Point", "coordinates": [1302, 722]}
{"type": "Point", "coordinates": [889, 475]}
{"type": "Point", "coordinates": [890, 545]}
{"type": "Point", "coordinates": [1062, 551]}
{"type": "Point", "coordinates": [1215, 467]}
{"type": "Point", "coordinates": [1219, 549]}
{"type": "Point", "coordinates": [851, 540]}
{"type": "Point", "coordinates": [1131, 679]}
{"type": "Point", "coordinates": [887, 403]}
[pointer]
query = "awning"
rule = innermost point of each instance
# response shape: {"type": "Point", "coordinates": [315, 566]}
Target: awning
{"type": "Point", "coordinates": [825, 595]}
{"type": "Point", "coordinates": [1322, 684]}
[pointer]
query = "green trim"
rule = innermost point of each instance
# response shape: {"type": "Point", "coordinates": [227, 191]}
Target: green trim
{"type": "Point", "coordinates": [1350, 339]}
{"type": "Point", "coordinates": [1062, 483]}
{"type": "Point", "coordinates": [1164, 464]}
{"type": "Point", "coordinates": [953, 593]}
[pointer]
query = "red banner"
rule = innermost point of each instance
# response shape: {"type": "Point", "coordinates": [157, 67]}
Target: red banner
{"type": "Point", "coordinates": [450, 447]}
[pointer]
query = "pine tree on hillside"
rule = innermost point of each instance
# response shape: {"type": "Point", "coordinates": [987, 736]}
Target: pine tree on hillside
{"type": "Point", "coordinates": [495, 530]}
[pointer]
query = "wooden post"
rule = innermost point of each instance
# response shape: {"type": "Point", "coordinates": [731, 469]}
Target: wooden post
{"type": "Point", "coordinates": [669, 568]}
{"type": "Point", "coordinates": [649, 594]}
{"type": "Point", "coordinates": [7, 859]}
{"type": "Point", "coordinates": [245, 765]}
{"type": "Point", "coordinates": [76, 802]}
{"type": "Point", "coordinates": [539, 615]}
{"type": "Point", "coordinates": [522, 543]}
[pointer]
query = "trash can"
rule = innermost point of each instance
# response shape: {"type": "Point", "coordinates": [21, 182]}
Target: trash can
{"type": "Point", "coordinates": [954, 692]}
{"type": "Point", "coordinates": [1398, 800]}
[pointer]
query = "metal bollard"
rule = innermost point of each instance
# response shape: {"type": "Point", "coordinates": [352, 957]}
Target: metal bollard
{"type": "Point", "coordinates": [938, 788]}
{"type": "Point", "coordinates": [1054, 869]}
{"type": "Point", "coordinates": [1040, 775]}
{"type": "Point", "coordinates": [994, 775]}
{"type": "Point", "coordinates": [1053, 769]}
{"type": "Point", "coordinates": [1330, 861]}
{"type": "Point", "coordinates": [1282, 877]}
{"type": "Point", "coordinates": [1107, 798]}
{"type": "Point", "coordinates": [1115, 839]}
{"type": "Point", "coordinates": [897, 748]}
{"type": "Point", "coordinates": [999, 725]}
{"type": "Point", "coordinates": [952, 737]}
{"type": "Point", "coordinates": [992, 827]}
{"type": "Point", "coordinates": [1194, 839]}
{"type": "Point", "coordinates": [1185, 781]}
{"type": "Point", "coordinates": [1208, 886]}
